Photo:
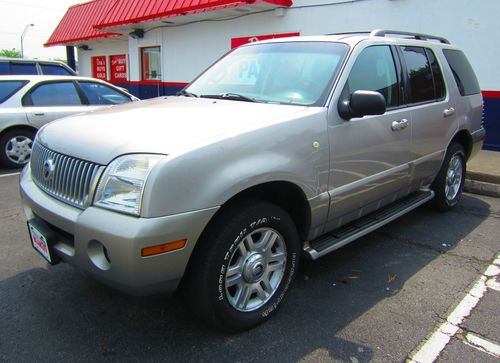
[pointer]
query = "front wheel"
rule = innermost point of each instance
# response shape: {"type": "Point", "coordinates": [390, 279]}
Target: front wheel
{"type": "Point", "coordinates": [244, 266]}
{"type": "Point", "coordinates": [450, 179]}
{"type": "Point", "coordinates": [15, 147]}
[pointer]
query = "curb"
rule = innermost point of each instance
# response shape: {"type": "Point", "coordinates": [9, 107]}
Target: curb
{"type": "Point", "coordinates": [482, 188]}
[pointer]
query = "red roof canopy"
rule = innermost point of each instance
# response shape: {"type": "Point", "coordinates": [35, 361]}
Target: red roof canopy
{"type": "Point", "coordinates": [77, 25]}
{"type": "Point", "coordinates": [89, 20]}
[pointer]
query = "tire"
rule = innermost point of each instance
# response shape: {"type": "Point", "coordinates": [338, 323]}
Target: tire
{"type": "Point", "coordinates": [450, 179]}
{"type": "Point", "coordinates": [231, 259]}
{"type": "Point", "coordinates": [15, 148]}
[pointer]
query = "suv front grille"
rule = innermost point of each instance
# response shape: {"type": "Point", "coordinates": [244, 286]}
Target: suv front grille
{"type": "Point", "coordinates": [68, 179]}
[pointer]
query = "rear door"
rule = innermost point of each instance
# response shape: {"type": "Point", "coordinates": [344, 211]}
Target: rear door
{"type": "Point", "coordinates": [433, 112]}
{"type": "Point", "coordinates": [50, 101]}
{"type": "Point", "coordinates": [369, 155]}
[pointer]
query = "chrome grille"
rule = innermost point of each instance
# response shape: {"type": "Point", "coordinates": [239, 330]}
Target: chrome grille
{"type": "Point", "coordinates": [71, 180]}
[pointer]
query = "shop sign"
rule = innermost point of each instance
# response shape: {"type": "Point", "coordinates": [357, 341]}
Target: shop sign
{"type": "Point", "coordinates": [99, 68]}
{"type": "Point", "coordinates": [236, 42]}
{"type": "Point", "coordinates": [118, 68]}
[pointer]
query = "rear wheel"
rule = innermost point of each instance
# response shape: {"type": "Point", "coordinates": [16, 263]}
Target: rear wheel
{"type": "Point", "coordinates": [450, 179]}
{"type": "Point", "coordinates": [244, 266]}
{"type": "Point", "coordinates": [15, 147]}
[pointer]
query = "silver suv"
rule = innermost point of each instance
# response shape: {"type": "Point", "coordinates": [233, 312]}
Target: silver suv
{"type": "Point", "coordinates": [283, 149]}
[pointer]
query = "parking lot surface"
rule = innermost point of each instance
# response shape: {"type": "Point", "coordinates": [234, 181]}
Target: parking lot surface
{"type": "Point", "coordinates": [375, 300]}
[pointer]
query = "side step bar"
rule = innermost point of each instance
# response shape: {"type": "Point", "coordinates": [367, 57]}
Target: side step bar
{"type": "Point", "coordinates": [354, 230]}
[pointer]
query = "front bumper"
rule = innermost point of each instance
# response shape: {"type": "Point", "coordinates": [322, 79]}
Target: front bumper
{"type": "Point", "coordinates": [78, 237]}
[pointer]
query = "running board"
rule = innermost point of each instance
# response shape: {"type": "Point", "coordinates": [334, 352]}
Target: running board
{"type": "Point", "coordinates": [354, 230]}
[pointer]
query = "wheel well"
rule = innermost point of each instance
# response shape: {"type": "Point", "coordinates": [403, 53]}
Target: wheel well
{"type": "Point", "coordinates": [18, 127]}
{"type": "Point", "coordinates": [284, 194]}
{"type": "Point", "coordinates": [464, 138]}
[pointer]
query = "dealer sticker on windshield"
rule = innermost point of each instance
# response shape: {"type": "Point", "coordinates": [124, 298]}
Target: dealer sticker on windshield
{"type": "Point", "coordinates": [39, 242]}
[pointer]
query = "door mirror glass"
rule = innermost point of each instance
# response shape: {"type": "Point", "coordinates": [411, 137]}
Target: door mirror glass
{"type": "Point", "coordinates": [362, 103]}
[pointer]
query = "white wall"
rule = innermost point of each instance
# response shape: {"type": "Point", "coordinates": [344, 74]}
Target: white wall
{"type": "Point", "coordinates": [473, 25]}
{"type": "Point", "coordinates": [105, 47]}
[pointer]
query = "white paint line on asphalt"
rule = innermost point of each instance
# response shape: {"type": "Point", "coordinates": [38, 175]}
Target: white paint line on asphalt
{"type": "Point", "coordinates": [430, 350]}
{"type": "Point", "coordinates": [482, 344]}
{"type": "Point", "coordinates": [493, 284]}
{"type": "Point", "coordinates": [1, 176]}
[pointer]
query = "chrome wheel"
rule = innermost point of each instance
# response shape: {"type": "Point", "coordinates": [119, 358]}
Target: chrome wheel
{"type": "Point", "coordinates": [256, 268]}
{"type": "Point", "coordinates": [454, 176]}
{"type": "Point", "coordinates": [18, 149]}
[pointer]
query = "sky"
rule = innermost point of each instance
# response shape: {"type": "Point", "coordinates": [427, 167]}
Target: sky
{"type": "Point", "coordinates": [45, 15]}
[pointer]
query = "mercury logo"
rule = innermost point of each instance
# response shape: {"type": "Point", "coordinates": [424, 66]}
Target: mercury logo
{"type": "Point", "coordinates": [48, 170]}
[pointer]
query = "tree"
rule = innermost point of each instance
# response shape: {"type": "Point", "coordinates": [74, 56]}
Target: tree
{"type": "Point", "coordinates": [13, 53]}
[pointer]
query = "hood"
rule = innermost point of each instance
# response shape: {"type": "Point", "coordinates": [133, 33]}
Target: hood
{"type": "Point", "coordinates": [165, 125]}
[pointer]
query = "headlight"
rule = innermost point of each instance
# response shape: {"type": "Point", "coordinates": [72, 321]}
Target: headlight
{"type": "Point", "coordinates": [123, 181]}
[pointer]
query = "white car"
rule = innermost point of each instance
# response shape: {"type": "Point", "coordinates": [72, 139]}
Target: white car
{"type": "Point", "coordinates": [29, 102]}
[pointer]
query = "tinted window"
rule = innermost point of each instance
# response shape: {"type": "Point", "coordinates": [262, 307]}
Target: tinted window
{"type": "Point", "coordinates": [419, 73]}
{"type": "Point", "coordinates": [54, 70]}
{"type": "Point", "coordinates": [23, 68]}
{"type": "Point", "coordinates": [8, 88]}
{"type": "Point", "coordinates": [4, 68]}
{"type": "Point", "coordinates": [462, 71]}
{"type": "Point", "coordinates": [439, 87]}
{"type": "Point", "coordinates": [55, 94]}
{"type": "Point", "coordinates": [99, 94]}
{"type": "Point", "coordinates": [374, 70]}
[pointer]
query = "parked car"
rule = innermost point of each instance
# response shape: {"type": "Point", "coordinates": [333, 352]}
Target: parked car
{"type": "Point", "coordinates": [23, 66]}
{"type": "Point", "coordinates": [29, 102]}
{"type": "Point", "coordinates": [283, 149]}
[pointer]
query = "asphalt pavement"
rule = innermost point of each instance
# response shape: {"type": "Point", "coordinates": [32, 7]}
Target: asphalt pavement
{"type": "Point", "coordinates": [379, 299]}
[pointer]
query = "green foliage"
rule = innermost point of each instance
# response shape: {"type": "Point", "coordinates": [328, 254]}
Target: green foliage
{"type": "Point", "coordinates": [11, 53]}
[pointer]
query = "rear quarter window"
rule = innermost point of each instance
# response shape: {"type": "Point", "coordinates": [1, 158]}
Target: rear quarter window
{"type": "Point", "coordinates": [54, 70]}
{"type": "Point", "coordinates": [8, 88]}
{"type": "Point", "coordinates": [462, 71]}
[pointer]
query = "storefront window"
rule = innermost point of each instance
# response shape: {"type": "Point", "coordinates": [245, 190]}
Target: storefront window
{"type": "Point", "coordinates": [151, 64]}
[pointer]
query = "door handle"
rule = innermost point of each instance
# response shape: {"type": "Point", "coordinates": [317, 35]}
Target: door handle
{"type": "Point", "coordinates": [399, 125]}
{"type": "Point", "coordinates": [449, 112]}
{"type": "Point", "coordinates": [39, 114]}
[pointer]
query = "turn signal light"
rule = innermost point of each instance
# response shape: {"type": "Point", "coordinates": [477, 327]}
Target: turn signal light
{"type": "Point", "coordinates": [165, 247]}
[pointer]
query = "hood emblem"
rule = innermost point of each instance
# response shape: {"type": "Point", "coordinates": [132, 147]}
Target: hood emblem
{"type": "Point", "coordinates": [48, 170]}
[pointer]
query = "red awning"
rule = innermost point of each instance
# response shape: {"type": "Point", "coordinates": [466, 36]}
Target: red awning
{"type": "Point", "coordinates": [90, 20]}
{"type": "Point", "coordinates": [134, 11]}
{"type": "Point", "coordinates": [77, 25]}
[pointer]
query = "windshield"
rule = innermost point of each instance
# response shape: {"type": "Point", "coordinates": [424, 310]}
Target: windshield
{"type": "Point", "coordinates": [292, 73]}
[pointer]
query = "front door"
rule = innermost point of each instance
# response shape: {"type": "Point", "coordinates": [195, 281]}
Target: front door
{"type": "Point", "coordinates": [369, 155]}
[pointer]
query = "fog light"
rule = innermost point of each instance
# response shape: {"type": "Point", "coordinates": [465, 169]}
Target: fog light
{"type": "Point", "coordinates": [163, 248]}
{"type": "Point", "coordinates": [99, 255]}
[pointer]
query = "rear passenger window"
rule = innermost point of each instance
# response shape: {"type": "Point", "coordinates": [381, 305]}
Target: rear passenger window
{"type": "Point", "coordinates": [437, 76]}
{"type": "Point", "coordinates": [374, 70]}
{"type": "Point", "coordinates": [462, 71]}
{"type": "Point", "coordinates": [23, 68]}
{"type": "Point", "coordinates": [54, 70]}
{"type": "Point", "coordinates": [419, 74]}
{"type": "Point", "coordinates": [8, 88]}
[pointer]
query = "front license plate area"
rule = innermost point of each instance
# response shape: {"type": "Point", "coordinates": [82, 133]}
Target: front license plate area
{"type": "Point", "coordinates": [40, 242]}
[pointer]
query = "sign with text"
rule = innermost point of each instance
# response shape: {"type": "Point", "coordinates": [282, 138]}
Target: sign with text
{"type": "Point", "coordinates": [236, 42]}
{"type": "Point", "coordinates": [118, 64]}
{"type": "Point", "coordinates": [99, 67]}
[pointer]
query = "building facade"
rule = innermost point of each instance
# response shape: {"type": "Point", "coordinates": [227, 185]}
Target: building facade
{"type": "Point", "coordinates": [155, 47]}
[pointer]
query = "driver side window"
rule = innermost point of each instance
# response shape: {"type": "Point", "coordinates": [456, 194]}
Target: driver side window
{"type": "Point", "coordinates": [374, 70]}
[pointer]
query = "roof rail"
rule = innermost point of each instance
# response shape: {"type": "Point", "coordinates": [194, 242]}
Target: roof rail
{"type": "Point", "coordinates": [418, 36]}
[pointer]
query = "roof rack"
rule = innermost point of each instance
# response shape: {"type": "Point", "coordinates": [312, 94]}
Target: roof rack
{"type": "Point", "coordinates": [418, 36]}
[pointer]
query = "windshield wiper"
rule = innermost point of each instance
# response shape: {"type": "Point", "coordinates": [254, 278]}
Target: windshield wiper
{"type": "Point", "coordinates": [186, 93]}
{"type": "Point", "coordinates": [231, 96]}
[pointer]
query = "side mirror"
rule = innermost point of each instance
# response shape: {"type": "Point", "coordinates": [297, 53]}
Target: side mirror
{"type": "Point", "coordinates": [362, 103]}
